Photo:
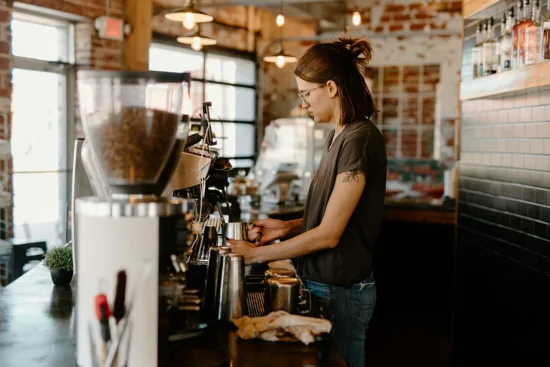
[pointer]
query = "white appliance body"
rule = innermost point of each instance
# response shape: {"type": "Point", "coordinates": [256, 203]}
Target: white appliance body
{"type": "Point", "coordinates": [106, 246]}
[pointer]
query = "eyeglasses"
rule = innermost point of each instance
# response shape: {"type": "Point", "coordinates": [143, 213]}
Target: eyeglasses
{"type": "Point", "coordinates": [305, 94]}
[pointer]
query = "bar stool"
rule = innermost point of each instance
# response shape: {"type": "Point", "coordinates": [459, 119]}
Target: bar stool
{"type": "Point", "coordinates": [23, 252]}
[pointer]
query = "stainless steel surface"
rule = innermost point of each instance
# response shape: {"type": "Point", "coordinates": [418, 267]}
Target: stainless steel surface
{"type": "Point", "coordinates": [278, 273]}
{"type": "Point", "coordinates": [232, 303]}
{"type": "Point", "coordinates": [255, 304]}
{"type": "Point", "coordinates": [132, 207]}
{"type": "Point", "coordinates": [213, 275]}
{"type": "Point", "coordinates": [235, 231]}
{"type": "Point", "coordinates": [199, 252]}
{"type": "Point", "coordinates": [186, 173]}
{"type": "Point", "coordinates": [282, 294]}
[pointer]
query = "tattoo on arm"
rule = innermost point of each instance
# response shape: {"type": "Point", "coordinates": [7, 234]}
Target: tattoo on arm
{"type": "Point", "coordinates": [352, 176]}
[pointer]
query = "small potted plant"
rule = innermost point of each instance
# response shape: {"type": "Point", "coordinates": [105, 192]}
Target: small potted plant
{"type": "Point", "coordinates": [60, 262]}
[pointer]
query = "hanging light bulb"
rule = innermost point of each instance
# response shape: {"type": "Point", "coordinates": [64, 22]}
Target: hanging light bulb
{"type": "Point", "coordinates": [280, 61]}
{"type": "Point", "coordinates": [189, 21]}
{"type": "Point", "coordinates": [188, 15]}
{"type": "Point", "coordinates": [280, 58]}
{"type": "Point", "coordinates": [280, 20]}
{"type": "Point", "coordinates": [196, 44]}
{"type": "Point", "coordinates": [197, 40]}
{"type": "Point", "coordinates": [356, 18]}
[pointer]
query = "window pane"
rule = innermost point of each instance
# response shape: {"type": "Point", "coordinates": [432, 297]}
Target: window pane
{"type": "Point", "coordinates": [391, 80]}
{"type": "Point", "coordinates": [390, 138]}
{"type": "Point", "coordinates": [175, 59]}
{"type": "Point", "coordinates": [230, 69]}
{"type": "Point", "coordinates": [38, 133]}
{"type": "Point", "coordinates": [390, 111]}
{"type": "Point", "coordinates": [39, 41]}
{"type": "Point", "coordinates": [241, 163]}
{"type": "Point", "coordinates": [411, 79]}
{"type": "Point", "coordinates": [410, 109]}
{"type": "Point", "coordinates": [408, 143]}
{"type": "Point", "coordinates": [427, 144]}
{"type": "Point", "coordinates": [193, 106]}
{"type": "Point", "coordinates": [428, 111]}
{"type": "Point", "coordinates": [234, 140]}
{"type": "Point", "coordinates": [45, 221]}
{"type": "Point", "coordinates": [231, 103]}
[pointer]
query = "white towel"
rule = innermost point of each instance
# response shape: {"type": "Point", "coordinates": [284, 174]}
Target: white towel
{"type": "Point", "coordinates": [281, 326]}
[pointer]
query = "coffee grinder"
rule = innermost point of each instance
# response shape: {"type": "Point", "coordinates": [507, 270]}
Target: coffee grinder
{"type": "Point", "coordinates": [130, 242]}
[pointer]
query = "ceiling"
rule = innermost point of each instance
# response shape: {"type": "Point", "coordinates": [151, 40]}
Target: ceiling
{"type": "Point", "coordinates": [330, 14]}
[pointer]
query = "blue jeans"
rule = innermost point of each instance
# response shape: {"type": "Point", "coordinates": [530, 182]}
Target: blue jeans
{"type": "Point", "coordinates": [350, 310]}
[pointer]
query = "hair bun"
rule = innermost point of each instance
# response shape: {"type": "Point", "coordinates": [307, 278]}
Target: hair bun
{"type": "Point", "coordinates": [357, 47]}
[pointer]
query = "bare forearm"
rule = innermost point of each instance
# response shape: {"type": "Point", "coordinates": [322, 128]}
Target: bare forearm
{"type": "Point", "coordinates": [294, 227]}
{"type": "Point", "coordinates": [306, 243]}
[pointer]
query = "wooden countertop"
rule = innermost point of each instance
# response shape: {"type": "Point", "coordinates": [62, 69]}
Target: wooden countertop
{"type": "Point", "coordinates": [416, 211]}
{"type": "Point", "coordinates": [36, 329]}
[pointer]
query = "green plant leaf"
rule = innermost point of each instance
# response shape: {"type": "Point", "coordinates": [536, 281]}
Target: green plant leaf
{"type": "Point", "coordinates": [59, 258]}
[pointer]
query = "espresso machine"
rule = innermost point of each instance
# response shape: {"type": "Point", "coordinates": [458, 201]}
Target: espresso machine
{"type": "Point", "coordinates": [130, 238]}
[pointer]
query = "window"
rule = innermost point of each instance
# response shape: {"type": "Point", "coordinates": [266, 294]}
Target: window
{"type": "Point", "coordinates": [40, 131]}
{"type": "Point", "coordinates": [405, 98]}
{"type": "Point", "coordinates": [229, 83]}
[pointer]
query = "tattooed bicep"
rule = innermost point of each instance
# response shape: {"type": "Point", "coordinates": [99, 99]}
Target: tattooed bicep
{"type": "Point", "coordinates": [352, 176]}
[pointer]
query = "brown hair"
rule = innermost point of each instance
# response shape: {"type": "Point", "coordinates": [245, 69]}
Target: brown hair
{"type": "Point", "coordinates": [340, 62]}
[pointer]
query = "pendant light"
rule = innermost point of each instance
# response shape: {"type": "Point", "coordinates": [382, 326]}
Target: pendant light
{"type": "Point", "coordinates": [196, 39]}
{"type": "Point", "coordinates": [356, 16]}
{"type": "Point", "coordinates": [280, 58]}
{"type": "Point", "coordinates": [188, 15]}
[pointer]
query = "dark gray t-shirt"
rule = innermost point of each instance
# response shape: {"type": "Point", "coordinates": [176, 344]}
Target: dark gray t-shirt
{"type": "Point", "coordinates": [359, 146]}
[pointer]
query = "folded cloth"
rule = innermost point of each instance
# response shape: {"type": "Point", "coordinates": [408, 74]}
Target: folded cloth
{"type": "Point", "coordinates": [281, 326]}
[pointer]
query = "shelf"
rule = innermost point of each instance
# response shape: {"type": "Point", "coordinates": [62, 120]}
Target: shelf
{"type": "Point", "coordinates": [532, 76]}
{"type": "Point", "coordinates": [483, 9]}
{"type": "Point", "coordinates": [471, 7]}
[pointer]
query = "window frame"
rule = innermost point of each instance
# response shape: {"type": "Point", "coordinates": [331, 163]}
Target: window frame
{"type": "Point", "coordinates": [402, 96]}
{"type": "Point", "coordinates": [66, 67]}
{"type": "Point", "coordinates": [162, 40]}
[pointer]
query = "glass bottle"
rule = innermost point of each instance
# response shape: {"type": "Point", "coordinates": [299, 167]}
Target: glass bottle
{"type": "Point", "coordinates": [515, 34]}
{"type": "Point", "coordinates": [545, 52]}
{"type": "Point", "coordinates": [489, 48]}
{"type": "Point", "coordinates": [533, 36]}
{"type": "Point", "coordinates": [476, 51]}
{"type": "Point", "coordinates": [506, 42]}
{"type": "Point", "coordinates": [498, 46]}
{"type": "Point", "coordinates": [525, 22]}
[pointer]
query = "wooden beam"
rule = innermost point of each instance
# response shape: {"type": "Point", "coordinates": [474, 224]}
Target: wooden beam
{"type": "Point", "coordinates": [139, 14]}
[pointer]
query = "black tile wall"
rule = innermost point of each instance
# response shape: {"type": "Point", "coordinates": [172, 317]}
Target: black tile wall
{"type": "Point", "coordinates": [503, 235]}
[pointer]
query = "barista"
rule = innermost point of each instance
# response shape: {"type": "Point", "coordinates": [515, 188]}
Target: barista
{"type": "Point", "coordinates": [334, 241]}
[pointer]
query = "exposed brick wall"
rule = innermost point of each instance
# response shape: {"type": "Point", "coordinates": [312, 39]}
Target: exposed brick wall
{"type": "Point", "coordinates": [5, 99]}
{"type": "Point", "coordinates": [406, 15]}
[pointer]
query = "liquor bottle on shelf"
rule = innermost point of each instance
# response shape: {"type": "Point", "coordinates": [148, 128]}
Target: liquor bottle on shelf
{"type": "Point", "coordinates": [515, 35]}
{"type": "Point", "coordinates": [498, 46]}
{"type": "Point", "coordinates": [506, 42]}
{"type": "Point", "coordinates": [489, 49]}
{"type": "Point", "coordinates": [476, 52]}
{"type": "Point", "coordinates": [545, 52]}
{"type": "Point", "coordinates": [533, 42]}
{"type": "Point", "coordinates": [525, 22]}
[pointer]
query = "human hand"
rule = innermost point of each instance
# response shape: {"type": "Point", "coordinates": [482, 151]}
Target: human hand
{"type": "Point", "coordinates": [247, 249]}
{"type": "Point", "coordinates": [266, 230]}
